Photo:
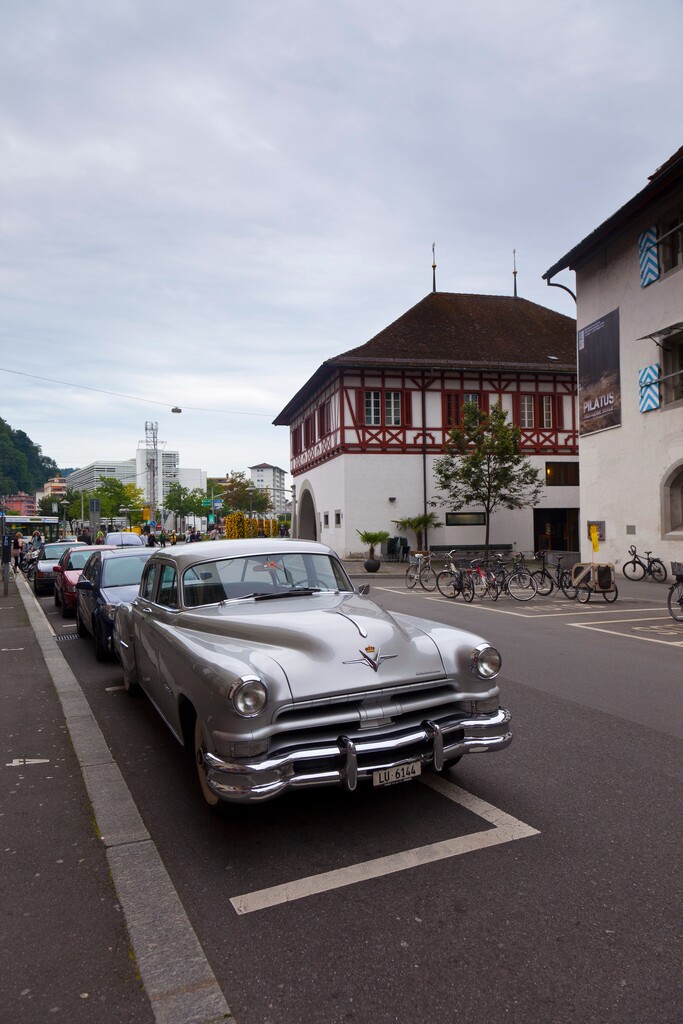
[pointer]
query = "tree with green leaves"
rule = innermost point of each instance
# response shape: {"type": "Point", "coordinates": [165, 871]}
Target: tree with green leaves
{"type": "Point", "coordinates": [115, 495]}
{"type": "Point", "coordinates": [483, 466]}
{"type": "Point", "coordinates": [419, 525]}
{"type": "Point", "coordinates": [185, 502]}
{"type": "Point", "coordinates": [240, 494]}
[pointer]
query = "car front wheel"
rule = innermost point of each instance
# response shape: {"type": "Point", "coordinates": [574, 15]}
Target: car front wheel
{"type": "Point", "coordinates": [199, 751]}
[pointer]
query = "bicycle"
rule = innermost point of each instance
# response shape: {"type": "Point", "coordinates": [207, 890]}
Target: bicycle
{"type": "Point", "coordinates": [637, 569]}
{"type": "Point", "coordinates": [674, 601]}
{"type": "Point", "coordinates": [453, 581]}
{"type": "Point", "coordinates": [482, 579]}
{"type": "Point", "coordinates": [518, 582]}
{"type": "Point", "coordinates": [546, 581]}
{"type": "Point", "coordinates": [420, 571]}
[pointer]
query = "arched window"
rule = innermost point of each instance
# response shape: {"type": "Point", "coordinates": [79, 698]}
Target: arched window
{"type": "Point", "coordinates": [672, 500]}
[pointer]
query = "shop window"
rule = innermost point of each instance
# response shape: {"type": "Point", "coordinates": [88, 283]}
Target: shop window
{"type": "Point", "coordinates": [672, 369]}
{"type": "Point", "coordinates": [465, 519]}
{"type": "Point", "coordinates": [562, 474]}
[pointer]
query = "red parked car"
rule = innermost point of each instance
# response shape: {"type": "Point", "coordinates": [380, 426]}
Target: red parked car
{"type": "Point", "coordinates": [67, 573]}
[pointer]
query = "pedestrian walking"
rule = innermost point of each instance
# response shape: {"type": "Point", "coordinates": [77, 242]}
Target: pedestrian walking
{"type": "Point", "coordinates": [17, 550]}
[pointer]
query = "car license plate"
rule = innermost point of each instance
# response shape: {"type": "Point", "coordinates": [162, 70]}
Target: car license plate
{"type": "Point", "coordinates": [400, 773]}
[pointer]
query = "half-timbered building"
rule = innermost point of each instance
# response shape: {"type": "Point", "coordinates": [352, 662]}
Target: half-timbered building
{"type": "Point", "coordinates": [366, 428]}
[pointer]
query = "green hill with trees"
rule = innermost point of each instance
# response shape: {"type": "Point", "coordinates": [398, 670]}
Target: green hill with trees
{"type": "Point", "coordinates": [23, 467]}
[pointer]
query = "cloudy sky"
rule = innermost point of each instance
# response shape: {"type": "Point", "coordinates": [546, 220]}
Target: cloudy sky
{"type": "Point", "coordinates": [201, 201]}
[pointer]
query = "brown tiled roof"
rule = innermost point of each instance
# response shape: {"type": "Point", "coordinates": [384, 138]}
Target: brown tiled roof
{"type": "Point", "coordinates": [453, 330]}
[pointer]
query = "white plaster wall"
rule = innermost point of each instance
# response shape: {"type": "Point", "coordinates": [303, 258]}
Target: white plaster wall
{"type": "Point", "coordinates": [622, 469]}
{"type": "Point", "coordinates": [360, 486]}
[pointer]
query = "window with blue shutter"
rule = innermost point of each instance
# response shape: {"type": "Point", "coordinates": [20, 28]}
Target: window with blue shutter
{"type": "Point", "coordinates": [647, 257]}
{"type": "Point", "coordinates": [648, 388]}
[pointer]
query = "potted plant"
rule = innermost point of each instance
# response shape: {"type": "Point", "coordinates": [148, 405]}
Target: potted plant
{"type": "Point", "coordinates": [371, 538]}
{"type": "Point", "coordinates": [419, 524]}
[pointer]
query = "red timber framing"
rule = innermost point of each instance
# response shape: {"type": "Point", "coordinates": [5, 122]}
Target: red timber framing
{"type": "Point", "coordinates": [398, 412]}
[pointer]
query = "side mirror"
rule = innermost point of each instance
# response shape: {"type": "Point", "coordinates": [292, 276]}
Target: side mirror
{"type": "Point", "coordinates": [364, 589]}
{"type": "Point", "coordinates": [84, 585]}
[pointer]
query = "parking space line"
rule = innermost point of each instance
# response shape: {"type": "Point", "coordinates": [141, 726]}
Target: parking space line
{"type": "Point", "coordinates": [527, 610]}
{"type": "Point", "coordinates": [506, 829]}
{"type": "Point", "coordinates": [631, 636]}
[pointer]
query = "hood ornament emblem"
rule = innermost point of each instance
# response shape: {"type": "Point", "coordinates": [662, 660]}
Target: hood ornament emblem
{"type": "Point", "coordinates": [371, 657]}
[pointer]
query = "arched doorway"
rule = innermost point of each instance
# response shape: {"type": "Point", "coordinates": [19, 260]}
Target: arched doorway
{"type": "Point", "coordinates": [672, 500]}
{"type": "Point", "coordinates": [308, 520]}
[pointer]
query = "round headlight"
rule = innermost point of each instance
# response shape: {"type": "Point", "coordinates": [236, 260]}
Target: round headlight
{"type": "Point", "coordinates": [249, 696]}
{"type": "Point", "coordinates": [485, 661]}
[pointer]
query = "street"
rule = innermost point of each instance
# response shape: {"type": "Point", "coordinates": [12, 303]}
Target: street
{"type": "Point", "coordinates": [540, 884]}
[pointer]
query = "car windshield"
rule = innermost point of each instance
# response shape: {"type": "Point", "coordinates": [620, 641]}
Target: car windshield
{"type": "Point", "coordinates": [54, 551]}
{"type": "Point", "coordinates": [77, 559]}
{"type": "Point", "coordinates": [268, 575]}
{"type": "Point", "coordinates": [124, 572]}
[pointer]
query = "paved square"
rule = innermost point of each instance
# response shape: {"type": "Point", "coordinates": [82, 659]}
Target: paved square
{"type": "Point", "coordinates": [506, 829]}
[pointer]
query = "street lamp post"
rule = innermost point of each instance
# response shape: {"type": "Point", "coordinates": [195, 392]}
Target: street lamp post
{"type": "Point", "coordinates": [126, 512]}
{"type": "Point", "coordinates": [65, 505]}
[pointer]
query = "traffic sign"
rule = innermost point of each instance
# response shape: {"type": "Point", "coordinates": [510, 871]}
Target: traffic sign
{"type": "Point", "coordinates": [218, 503]}
{"type": "Point", "coordinates": [207, 503]}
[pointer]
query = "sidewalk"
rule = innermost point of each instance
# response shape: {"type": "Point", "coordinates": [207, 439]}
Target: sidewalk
{"type": "Point", "coordinates": [84, 897]}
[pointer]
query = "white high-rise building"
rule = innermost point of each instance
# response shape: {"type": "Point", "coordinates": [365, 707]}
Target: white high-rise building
{"type": "Point", "coordinates": [272, 479]}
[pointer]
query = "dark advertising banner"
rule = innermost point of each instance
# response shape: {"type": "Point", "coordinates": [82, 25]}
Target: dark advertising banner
{"type": "Point", "coordinates": [599, 379]}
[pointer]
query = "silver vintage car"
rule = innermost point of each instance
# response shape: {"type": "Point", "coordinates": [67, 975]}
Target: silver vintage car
{"type": "Point", "coordinates": [264, 658]}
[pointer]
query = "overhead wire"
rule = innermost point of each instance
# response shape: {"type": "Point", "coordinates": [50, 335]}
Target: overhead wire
{"type": "Point", "coordinates": [133, 398]}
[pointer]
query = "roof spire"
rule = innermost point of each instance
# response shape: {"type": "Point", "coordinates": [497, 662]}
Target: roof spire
{"type": "Point", "coordinates": [514, 270]}
{"type": "Point", "coordinates": [433, 267]}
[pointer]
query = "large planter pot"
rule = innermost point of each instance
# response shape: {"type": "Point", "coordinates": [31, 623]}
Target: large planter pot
{"type": "Point", "coordinates": [371, 564]}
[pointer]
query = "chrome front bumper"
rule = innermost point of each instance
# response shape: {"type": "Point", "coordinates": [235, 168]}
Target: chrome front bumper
{"type": "Point", "coordinates": [349, 761]}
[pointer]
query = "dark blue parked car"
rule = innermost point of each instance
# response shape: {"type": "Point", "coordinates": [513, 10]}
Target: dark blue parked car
{"type": "Point", "coordinates": [109, 577]}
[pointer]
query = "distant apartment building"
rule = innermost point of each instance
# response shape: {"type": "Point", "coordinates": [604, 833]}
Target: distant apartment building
{"type": "Point", "coordinates": [151, 470]}
{"type": "Point", "coordinates": [272, 479]}
{"type": "Point", "coordinates": [88, 478]}
{"type": "Point", "coordinates": [55, 488]}
{"type": "Point", "coordinates": [21, 503]}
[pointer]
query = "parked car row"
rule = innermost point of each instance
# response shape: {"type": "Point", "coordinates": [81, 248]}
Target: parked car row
{"type": "Point", "coordinates": [263, 658]}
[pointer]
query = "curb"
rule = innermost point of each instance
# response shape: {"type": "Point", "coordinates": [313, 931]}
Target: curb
{"type": "Point", "coordinates": [176, 975]}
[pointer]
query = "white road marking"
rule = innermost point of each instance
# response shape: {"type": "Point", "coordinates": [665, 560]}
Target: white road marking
{"type": "Point", "coordinates": [12, 648]}
{"type": "Point", "coordinates": [19, 762]}
{"type": "Point", "coordinates": [527, 610]}
{"type": "Point", "coordinates": [632, 636]}
{"type": "Point", "coordinates": [110, 689]}
{"type": "Point", "coordinates": [506, 829]}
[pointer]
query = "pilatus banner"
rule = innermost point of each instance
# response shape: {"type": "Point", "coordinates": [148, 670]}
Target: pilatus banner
{"type": "Point", "coordinates": [599, 379]}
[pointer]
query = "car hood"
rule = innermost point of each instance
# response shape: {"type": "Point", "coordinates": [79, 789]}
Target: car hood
{"type": "Point", "coordinates": [324, 643]}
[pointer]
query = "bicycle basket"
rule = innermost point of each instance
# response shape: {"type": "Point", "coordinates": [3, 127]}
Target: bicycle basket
{"type": "Point", "coordinates": [677, 568]}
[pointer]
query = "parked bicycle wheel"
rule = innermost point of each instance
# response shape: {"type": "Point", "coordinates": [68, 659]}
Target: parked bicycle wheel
{"type": "Point", "coordinates": [611, 595]}
{"type": "Point", "coordinates": [658, 570]}
{"type": "Point", "coordinates": [478, 584]}
{"type": "Point", "coordinates": [633, 570]}
{"type": "Point", "coordinates": [545, 584]}
{"type": "Point", "coordinates": [521, 585]}
{"type": "Point", "coordinates": [492, 588]}
{"type": "Point", "coordinates": [583, 593]}
{"type": "Point", "coordinates": [567, 587]}
{"type": "Point", "coordinates": [412, 576]}
{"type": "Point", "coordinates": [428, 578]}
{"type": "Point", "coordinates": [467, 588]}
{"type": "Point", "coordinates": [674, 602]}
{"type": "Point", "coordinates": [449, 583]}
